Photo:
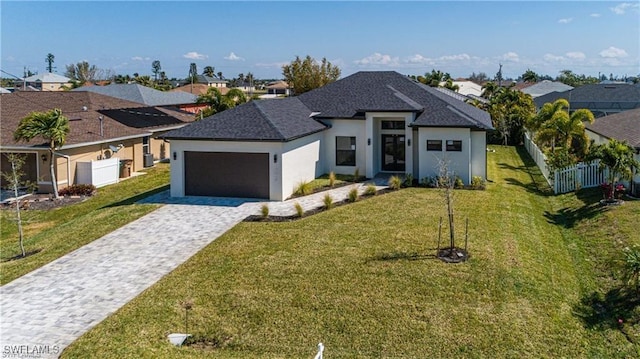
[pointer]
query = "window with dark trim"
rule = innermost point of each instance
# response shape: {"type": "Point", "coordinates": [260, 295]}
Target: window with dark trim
{"type": "Point", "coordinates": [434, 145]}
{"type": "Point", "coordinates": [345, 151]}
{"type": "Point", "coordinates": [392, 125]}
{"type": "Point", "coordinates": [453, 145]}
{"type": "Point", "coordinates": [145, 145]}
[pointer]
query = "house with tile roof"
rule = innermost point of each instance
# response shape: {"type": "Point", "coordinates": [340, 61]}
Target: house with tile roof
{"type": "Point", "coordinates": [147, 96]}
{"type": "Point", "coordinates": [600, 99]}
{"type": "Point", "coordinates": [101, 128]}
{"type": "Point", "coordinates": [622, 126]}
{"type": "Point", "coordinates": [47, 81]}
{"type": "Point", "coordinates": [373, 122]}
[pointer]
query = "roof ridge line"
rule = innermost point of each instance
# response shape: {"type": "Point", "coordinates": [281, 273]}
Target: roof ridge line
{"type": "Point", "coordinates": [268, 119]}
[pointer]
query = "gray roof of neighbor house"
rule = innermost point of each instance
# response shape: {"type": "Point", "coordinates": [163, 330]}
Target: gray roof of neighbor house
{"type": "Point", "coordinates": [48, 77]}
{"type": "Point", "coordinates": [351, 97]}
{"type": "Point", "coordinates": [207, 80]}
{"type": "Point", "coordinates": [622, 126]}
{"type": "Point", "coordinates": [142, 94]}
{"type": "Point", "coordinates": [389, 91]}
{"type": "Point", "coordinates": [264, 120]}
{"type": "Point", "coordinates": [619, 97]}
{"type": "Point", "coordinates": [120, 118]}
{"type": "Point", "coordinates": [544, 87]}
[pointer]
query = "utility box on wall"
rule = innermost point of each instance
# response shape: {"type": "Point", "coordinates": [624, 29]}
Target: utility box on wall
{"type": "Point", "coordinates": [148, 160]}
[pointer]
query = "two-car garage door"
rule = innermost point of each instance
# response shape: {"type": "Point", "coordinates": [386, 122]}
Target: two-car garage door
{"type": "Point", "coordinates": [226, 174]}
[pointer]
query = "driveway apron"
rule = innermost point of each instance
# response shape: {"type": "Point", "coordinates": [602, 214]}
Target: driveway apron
{"type": "Point", "coordinates": [44, 311]}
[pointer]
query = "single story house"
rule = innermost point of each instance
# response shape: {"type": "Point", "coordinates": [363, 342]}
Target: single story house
{"type": "Point", "coordinates": [373, 122]}
{"type": "Point", "coordinates": [623, 126]}
{"type": "Point", "coordinates": [278, 88]}
{"type": "Point", "coordinates": [544, 87]}
{"type": "Point", "coordinates": [600, 99]}
{"type": "Point", "coordinates": [101, 128]}
{"type": "Point", "coordinates": [44, 82]}
{"type": "Point", "coordinates": [198, 89]}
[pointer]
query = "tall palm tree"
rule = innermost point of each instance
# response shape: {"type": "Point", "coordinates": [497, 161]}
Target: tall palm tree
{"type": "Point", "coordinates": [617, 156]}
{"type": "Point", "coordinates": [554, 125]}
{"type": "Point", "coordinates": [53, 127]}
{"type": "Point", "coordinates": [489, 89]}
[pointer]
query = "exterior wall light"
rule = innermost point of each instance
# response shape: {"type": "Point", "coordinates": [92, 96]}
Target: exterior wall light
{"type": "Point", "coordinates": [175, 155]}
{"type": "Point", "coordinates": [368, 142]}
{"type": "Point", "coordinates": [44, 157]}
{"type": "Point", "coordinates": [408, 142]}
{"type": "Point", "coordinates": [275, 158]}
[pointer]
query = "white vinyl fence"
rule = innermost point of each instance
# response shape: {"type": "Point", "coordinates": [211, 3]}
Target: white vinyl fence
{"type": "Point", "coordinates": [98, 173]}
{"type": "Point", "coordinates": [568, 179]}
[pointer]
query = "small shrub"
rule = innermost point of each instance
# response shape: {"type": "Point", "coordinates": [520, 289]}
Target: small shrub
{"type": "Point", "coordinates": [356, 175]}
{"type": "Point", "coordinates": [303, 188]}
{"type": "Point", "coordinates": [458, 184]}
{"type": "Point", "coordinates": [477, 182]}
{"type": "Point", "coordinates": [328, 201]}
{"type": "Point", "coordinates": [395, 183]}
{"type": "Point", "coordinates": [353, 195]}
{"type": "Point", "coordinates": [264, 210]}
{"type": "Point", "coordinates": [78, 190]}
{"type": "Point", "coordinates": [632, 268]}
{"type": "Point", "coordinates": [371, 190]}
{"type": "Point", "coordinates": [408, 180]}
{"type": "Point", "coordinates": [299, 209]}
{"type": "Point", "coordinates": [332, 179]}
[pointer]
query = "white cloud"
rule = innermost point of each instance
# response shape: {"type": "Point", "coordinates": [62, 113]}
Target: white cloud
{"type": "Point", "coordinates": [459, 57]}
{"type": "Point", "coordinates": [140, 58]}
{"type": "Point", "coordinates": [418, 59]}
{"type": "Point", "coordinates": [613, 52]}
{"type": "Point", "coordinates": [194, 56]}
{"type": "Point", "coordinates": [552, 57]}
{"type": "Point", "coordinates": [378, 59]}
{"type": "Point", "coordinates": [575, 55]}
{"type": "Point", "coordinates": [622, 8]}
{"type": "Point", "coordinates": [511, 56]}
{"type": "Point", "coordinates": [10, 58]}
{"type": "Point", "coordinates": [565, 21]}
{"type": "Point", "coordinates": [233, 57]}
{"type": "Point", "coordinates": [271, 64]}
{"type": "Point", "coordinates": [595, 15]}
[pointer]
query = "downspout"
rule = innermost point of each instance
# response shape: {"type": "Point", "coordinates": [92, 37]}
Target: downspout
{"type": "Point", "coordinates": [68, 166]}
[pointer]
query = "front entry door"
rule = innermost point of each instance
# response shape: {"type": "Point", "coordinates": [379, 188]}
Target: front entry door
{"type": "Point", "coordinates": [393, 153]}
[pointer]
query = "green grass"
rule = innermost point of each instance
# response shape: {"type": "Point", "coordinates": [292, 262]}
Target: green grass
{"type": "Point", "coordinates": [363, 280]}
{"type": "Point", "coordinates": [55, 233]}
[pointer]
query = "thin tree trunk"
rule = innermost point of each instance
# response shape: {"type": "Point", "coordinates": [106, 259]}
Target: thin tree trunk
{"type": "Point", "coordinates": [15, 192]}
{"type": "Point", "coordinates": [451, 227]}
{"type": "Point", "coordinates": [54, 182]}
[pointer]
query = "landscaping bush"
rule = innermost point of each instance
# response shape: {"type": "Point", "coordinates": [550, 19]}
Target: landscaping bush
{"type": "Point", "coordinates": [477, 182]}
{"type": "Point", "coordinates": [299, 209]}
{"type": "Point", "coordinates": [78, 190]}
{"type": "Point", "coordinates": [408, 180]}
{"type": "Point", "coordinates": [332, 179]}
{"type": "Point", "coordinates": [353, 195]}
{"type": "Point", "coordinates": [458, 184]}
{"type": "Point", "coordinates": [395, 183]}
{"type": "Point", "coordinates": [264, 210]}
{"type": "Point", "coordinates": [371, 190]}
{"type": "Point", "coordinates": [328, 201]}
{"type": "Point", "coordinates": [356, 175]}
{"type": "Point", "coordinates": [303, 188]}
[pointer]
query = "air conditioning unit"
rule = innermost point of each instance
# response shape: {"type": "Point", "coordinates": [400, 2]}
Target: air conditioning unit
{"type": "Point", "coordinates": [148, 160]}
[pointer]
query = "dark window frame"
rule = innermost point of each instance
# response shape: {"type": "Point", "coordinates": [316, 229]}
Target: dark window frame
{"type": "Point", "coordinates": [393, 125]}
{"type": "Point", "coordinates": [454, 146]}
{"type": "Point", "coordinates": [346, 156]}
{"type": "Point", "coordinates": [431, 146]}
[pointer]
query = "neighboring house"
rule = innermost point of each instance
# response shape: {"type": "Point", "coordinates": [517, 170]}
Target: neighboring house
{"type": "Point", "coordinates": [601, 99]}
{"type": "Point", "coordinates": [373, 122]}
{"type": "Point", "coordinates": [101, 127]}
{"type": "Point", "coordinates": [212, 81]}
{"type": "Point", "coordinates": [544, 87]}
{"type": "Point", "coordinates": [623, 126]}
{"type": "Point", "coordinates": [245, 87]}
{"type": "Point", "coordinates": [147, 96]}
{"type": "Point", "coordinates": [280, 88]}
{"type": "Point", "coordinates": [467, 88]}
{"type": "Point", "coordinates": [199, 89]}
{"type": "Point", "coordinates": [44, 82]}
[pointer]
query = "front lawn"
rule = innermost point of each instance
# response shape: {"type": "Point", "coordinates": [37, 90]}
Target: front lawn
{"type": "Point", "coordinates": [363, 280]}
{"type": "Point", "coordinates": [54, 233]}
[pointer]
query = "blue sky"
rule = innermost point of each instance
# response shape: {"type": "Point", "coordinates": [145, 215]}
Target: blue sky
{"type": "Point", "coordinates": [413, 37]}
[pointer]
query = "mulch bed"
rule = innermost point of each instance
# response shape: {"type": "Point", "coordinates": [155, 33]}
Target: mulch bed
{"type": "Point", "coordinates": [43, 202]}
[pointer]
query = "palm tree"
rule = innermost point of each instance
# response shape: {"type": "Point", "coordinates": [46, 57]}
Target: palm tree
{"type": "Point", "coordinates": [530, 76]}
{"type": "Point", "coordinates": [555, 126]}
{"type": "Point", "coordinates": [489, 89]}
{"type": "Point", "coordinates": [617, 156]}
{"type": "Point", "coordinates": [209, 71]}
{"type": "Point", "coordinates": [51, 126]}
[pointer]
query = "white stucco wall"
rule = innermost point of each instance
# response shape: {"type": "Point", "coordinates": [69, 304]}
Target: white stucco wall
{"type": "Point", "coordinates": [459, 162]}
{"type": "Point", "coordinates": [347, 128]}
{"type": "Point", "coordinates": [180, 146]}
{"type": "Point", "coordinates": [301, 161]}
{"type": "Point", "coordinates": [479, 154]}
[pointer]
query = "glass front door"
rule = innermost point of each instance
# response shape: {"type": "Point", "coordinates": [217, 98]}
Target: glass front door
{"type": "Point", "coordinates": [393, 154]}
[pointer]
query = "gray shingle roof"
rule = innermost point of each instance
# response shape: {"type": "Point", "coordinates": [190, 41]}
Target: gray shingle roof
{"type": "Point", "coordinates": [623, 126]}
{"type": "Point", "coordinates": [597, 96]}
{"type": "Point", "coordinates": [544, 87]}
{"type": "Point", "coordinates": [389, 91]}
{"type": "Point", "coordinates": [264, 120]}
{"type": "Point", "coordinates": [142, 94]}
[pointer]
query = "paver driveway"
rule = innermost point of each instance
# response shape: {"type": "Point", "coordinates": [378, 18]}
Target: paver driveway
{"type": "Point", "coordinates": [46, 310]}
